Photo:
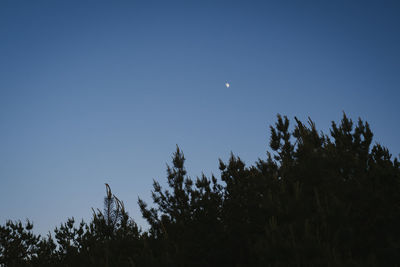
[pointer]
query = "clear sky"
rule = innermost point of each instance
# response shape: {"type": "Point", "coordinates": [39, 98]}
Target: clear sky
{"type": "Point", "coordinates": [102, 91]}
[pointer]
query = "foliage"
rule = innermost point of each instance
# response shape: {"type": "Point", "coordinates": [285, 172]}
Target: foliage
{"type": "Point", "coordinates": [316, 200]}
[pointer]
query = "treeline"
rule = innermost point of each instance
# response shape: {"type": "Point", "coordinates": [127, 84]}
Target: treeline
{"type": "Point", "coordinates": [316, 200]}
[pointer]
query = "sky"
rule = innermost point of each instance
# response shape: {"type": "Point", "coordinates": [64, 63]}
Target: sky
{"type": "Point", "coordinates": [95, 92]}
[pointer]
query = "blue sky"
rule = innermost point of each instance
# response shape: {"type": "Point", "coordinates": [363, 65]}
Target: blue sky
{"type": "Point", "coordinates": [102, 91]}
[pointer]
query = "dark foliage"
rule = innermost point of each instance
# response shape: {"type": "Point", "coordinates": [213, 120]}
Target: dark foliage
{"type": "Point", "coordinates": [316, 200]}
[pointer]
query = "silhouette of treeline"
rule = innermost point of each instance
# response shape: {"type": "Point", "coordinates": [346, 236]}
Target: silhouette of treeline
{"type": "Point", "coordinates": [316, 200]}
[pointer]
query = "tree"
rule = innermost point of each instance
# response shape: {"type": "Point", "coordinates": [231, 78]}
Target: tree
{"type": "Point", "coordinates": [315, 200]}
{"type": "Point", "coordinates": [187, 219]}
{"type": "Point", "coordinates": [112, 238]}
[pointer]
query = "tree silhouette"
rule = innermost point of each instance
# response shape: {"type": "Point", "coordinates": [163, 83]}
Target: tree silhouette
{"type": "Point", "coordinates": [316, 200]}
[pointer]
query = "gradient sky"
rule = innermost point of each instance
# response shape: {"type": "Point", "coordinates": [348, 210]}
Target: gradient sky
{"type": "Point", "coordinates": [102, 91]}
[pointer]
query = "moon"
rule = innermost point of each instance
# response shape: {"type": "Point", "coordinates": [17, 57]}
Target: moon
{"type": "Point", "coordinates": [227, 85]}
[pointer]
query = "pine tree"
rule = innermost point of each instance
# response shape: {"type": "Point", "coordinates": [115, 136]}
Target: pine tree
{"type": "Point", "coordinates": [316, 200]}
